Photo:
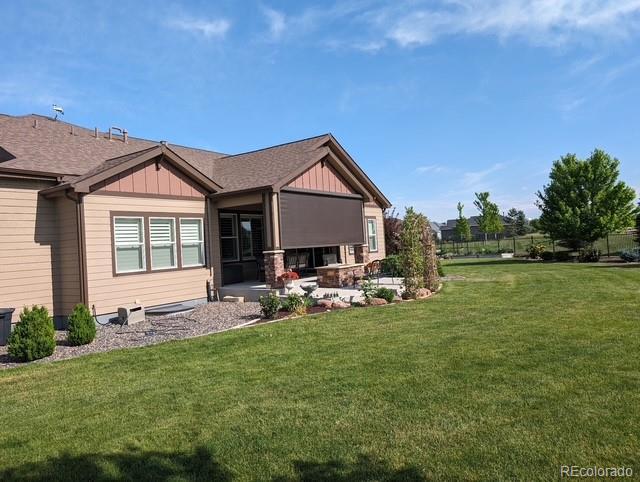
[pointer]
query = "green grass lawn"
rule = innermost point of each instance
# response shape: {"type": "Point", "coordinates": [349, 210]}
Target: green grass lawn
{"type": "Point", "coordinates": [517, 370]}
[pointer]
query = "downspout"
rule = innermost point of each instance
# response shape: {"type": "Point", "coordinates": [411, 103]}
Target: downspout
{"type": "Point", "coordinates": [80, 237]}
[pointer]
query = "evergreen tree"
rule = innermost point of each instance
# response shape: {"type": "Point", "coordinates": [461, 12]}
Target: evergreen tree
{"type": "Point", "coordinates": [517, 223]}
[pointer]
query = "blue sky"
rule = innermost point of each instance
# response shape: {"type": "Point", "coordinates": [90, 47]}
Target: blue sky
{"type": "Point", "coordinates": [435, 99]}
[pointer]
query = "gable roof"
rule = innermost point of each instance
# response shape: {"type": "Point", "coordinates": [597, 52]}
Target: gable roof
{"type": "Point", "coordinates": [73, 154]}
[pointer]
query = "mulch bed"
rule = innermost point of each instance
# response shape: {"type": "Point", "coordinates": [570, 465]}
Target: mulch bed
{"type": "Point", "coordinates": [203, 320]}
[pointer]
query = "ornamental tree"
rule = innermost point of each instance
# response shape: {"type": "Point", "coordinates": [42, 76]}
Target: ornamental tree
{"type": "Point", "coordinates": [584, 200]}
{"type": "Point", "coordinates": [463, 229]}
{"type": "Point", "coordinates": [489, 220]}
{"type": "Point", "coordinates": [412, 251]}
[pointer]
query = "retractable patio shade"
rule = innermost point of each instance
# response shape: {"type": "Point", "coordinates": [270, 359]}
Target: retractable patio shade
{"type": "Point", "coordinates": [315, 220]}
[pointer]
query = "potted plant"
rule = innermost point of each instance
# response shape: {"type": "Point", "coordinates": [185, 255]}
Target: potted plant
{"type": "Point", "coordinates": [288, 277]}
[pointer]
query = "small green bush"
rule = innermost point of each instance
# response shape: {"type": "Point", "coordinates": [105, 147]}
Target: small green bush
{"type": "Point", "coordinates": [535, 250]}
{"type": "Point", "coordinates": [563, 256]}
{"type": "Point", "coordinates": [440, 269]}
{"type": "Point", "coordinates": [589, 255]}
{"type": "Point", "coordinates": [391, 265]}
{"type": "Point", "coordinates": [386, 294]}
{"type": "Point", "coordinates": [34, 335]}
{"type": "Point", "coordinates": [368, 289]}
{"type": "Point", "coordinates": [293, 303]}
{"type": "Point", "coordinates": [82, 328]}
{"type": "Point", "coordinates": [547, 256]}
{"type": "Point", "coordinates": [270, 305]}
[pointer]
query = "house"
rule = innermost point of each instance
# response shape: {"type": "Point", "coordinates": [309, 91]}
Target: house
{"type": "Point", "coordinates": [106, 219]}
{"type": "Point", "coordinates": [448, 229]}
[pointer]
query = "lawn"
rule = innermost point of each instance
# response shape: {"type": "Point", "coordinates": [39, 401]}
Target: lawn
{"type": "Point", "coordinates": [518, 369]}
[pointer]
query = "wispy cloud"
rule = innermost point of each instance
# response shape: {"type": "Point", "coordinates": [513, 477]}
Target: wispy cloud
{"type": "Point", "coordinates": [434, 168]}
{"type": "Point", "coordinates": [547, 22]}
{"type": "Point", "coordinates": [276, 20]}
{"type": "Point", "coordinates": [208, 28]}
{"type": "Point", "coordinates": [473, 179]}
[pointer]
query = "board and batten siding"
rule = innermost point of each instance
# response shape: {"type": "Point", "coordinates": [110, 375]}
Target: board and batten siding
{"type": "Point", "coordinates": [370, 211]}
{"type": "Point", "coordinates": [38, 249]}
{"type": "Point", "coordinates": [108, 292]}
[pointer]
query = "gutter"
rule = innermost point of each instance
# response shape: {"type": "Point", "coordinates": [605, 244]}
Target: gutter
{"type": "Point", "coordinates": [82, 251]}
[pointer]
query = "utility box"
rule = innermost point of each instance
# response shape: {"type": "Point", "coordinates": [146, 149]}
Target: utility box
{"type": "Point", "coordinates": [131, 314]}
{"type": "Point", "coordinates": [5, 324]}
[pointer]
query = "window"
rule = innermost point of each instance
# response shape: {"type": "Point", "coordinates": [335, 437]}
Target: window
{"type": "Point", "coordinates": [192, 242]}
{"type": "Point", "coordinates": [251, 236]}
{"type": "Point", "coordinates": [162, 235]}
{"type": "Point", "coordinates": [229, 237]}
{"type": "Point", "coordinates": [128, 233]}
{"type": "Point", "coordinates": [372, 232]}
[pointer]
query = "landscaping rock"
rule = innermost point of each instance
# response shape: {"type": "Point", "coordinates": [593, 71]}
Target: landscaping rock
{"type": "Point", "coordinates": [233, 299]}
{"type": "Point", "coordinates": [377, 301]}
{"type": "Point", "coordinates": [340, 305]}
{"type": "Point", "coordinates": [397, 299]}
{"type": "Point", "coordinates": [423, 293]}
{"type": "Point", "coordinates": [325, 303]}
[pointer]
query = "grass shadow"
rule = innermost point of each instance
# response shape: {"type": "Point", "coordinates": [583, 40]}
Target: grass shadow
{"type": "Point", "coordinates": [365, 468]}
{"type": "Point", "coordinates": [485, 262]}
{"type": "Point", "coordinates": [132, 464]}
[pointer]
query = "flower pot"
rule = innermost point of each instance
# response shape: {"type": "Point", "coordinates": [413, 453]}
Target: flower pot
{"type": "Point", "coordinates": [506, 255]}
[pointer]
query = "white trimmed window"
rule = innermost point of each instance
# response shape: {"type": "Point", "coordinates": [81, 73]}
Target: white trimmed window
{"type": "Point", "coordinates": [372, 232]}
{"type": "Point", "coordinates": [229, 237]}
{"type": "Point", "coordinates": [352, 249]}
{"type": "Point", "coordinates": [128, 233]}
{"type": "Point", "coordinates": [192, 242]}
{"type": "Point", "coordinates": [162, 237]}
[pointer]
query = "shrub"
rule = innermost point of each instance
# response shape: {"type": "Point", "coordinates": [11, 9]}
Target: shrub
{"type": "Point", "coordinates": [631, 255]}
{"type": "Point", "coordinates": [535, 250]}
{"type": "Point", "coordinates": [391, 265]}
{"type": "Point", "coordinates": [386, 294]}
{"type": "Point", "coordinates": [563, 256]}
{"type": "Point", "coordinates": [589, 255]}
{"type": "Point", "coordinates": [547, 256]}
{"type": "Point", "coordinates": [82, 328]}
{"type": "Point", "coordinates": [440, 269]}
{"type": "Point", "coordinates": [270, 305]}
{"type": "Point", "coordinates": [34, 336]}
{"type": "Point", "coordinates": [368, 290]}
{"type": "Point", "coordinates": [293, 303]}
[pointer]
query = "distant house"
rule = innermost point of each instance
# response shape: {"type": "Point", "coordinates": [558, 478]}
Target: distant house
{"type": "Point", "coordinates": [448, 229]}
{"type": "Point", "coordinates": [435, 227]}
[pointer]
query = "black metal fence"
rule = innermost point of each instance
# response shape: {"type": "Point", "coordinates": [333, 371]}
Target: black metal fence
{"type": "Point", "coordinates": [611, 245]}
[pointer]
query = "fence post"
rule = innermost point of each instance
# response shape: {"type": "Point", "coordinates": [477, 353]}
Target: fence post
{"type": "Point", "coordinates": [608, 251]}
{"type": "Point", "coordinates": [553, 246]}
{"type": "Point", "coordinates": [514, 246]}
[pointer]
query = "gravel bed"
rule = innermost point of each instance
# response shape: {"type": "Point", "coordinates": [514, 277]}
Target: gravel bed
{"type": "Point", "coordinates": [203, 320]}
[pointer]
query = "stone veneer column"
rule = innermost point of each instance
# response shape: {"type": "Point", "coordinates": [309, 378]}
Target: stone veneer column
{"type": "Point", "coordinates": [361, 253]}
{"type": "Point", "coordinates": [273, 267]}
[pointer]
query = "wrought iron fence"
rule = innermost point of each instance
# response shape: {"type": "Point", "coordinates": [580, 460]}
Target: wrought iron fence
{"type": "Point", "coordinates": [611, 245]}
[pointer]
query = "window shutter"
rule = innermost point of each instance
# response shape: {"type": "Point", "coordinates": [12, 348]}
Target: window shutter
{"type": "Point", "coordinates": [128, 231]}
{"type": "Point", "coordinates": [190, 231]}
{"type": "Point", "coordinates": [160, 231]}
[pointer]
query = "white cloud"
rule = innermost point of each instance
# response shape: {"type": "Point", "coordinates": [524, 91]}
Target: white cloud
{"type": "Point", "coordinates": [215, 28]}
{"type": "Point", "coordinates": [435, 168]}
{"type": "Point", "coordinates": [474, 179]}
{"type": "Point", "coordinates": [276, 20]}
{"type": "Point", "coordinates": [545, 22]}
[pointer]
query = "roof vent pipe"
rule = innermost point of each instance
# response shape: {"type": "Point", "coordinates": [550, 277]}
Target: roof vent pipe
{"type": "Point", "coordinates": [35, 123]}
{"type": "Point", "coordinates": [125, 135]}
{"type": "Point", "coordinates": [120, 130]}
{"type": "Point", "coordinates": [95, 132]}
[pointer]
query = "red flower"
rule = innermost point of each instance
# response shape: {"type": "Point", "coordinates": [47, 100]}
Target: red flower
{"type": "Point", "coordinates": [289, 276]}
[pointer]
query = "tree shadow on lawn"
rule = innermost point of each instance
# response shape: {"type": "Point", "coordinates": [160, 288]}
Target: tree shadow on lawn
{"type": "Point", "coordinates": [486, 262]}
{"type": "Point", "coordinates": [137, 465]}
{"type": "Point", "coordinates": [134, 464]}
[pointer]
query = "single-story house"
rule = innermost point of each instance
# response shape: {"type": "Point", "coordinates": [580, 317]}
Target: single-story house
{"type": "Point", "coordinates": [106, 219]}
{"type": "Point", "coordinates": [448, 229]}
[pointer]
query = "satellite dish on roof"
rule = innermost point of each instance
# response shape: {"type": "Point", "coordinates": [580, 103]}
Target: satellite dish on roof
{"type": "Point", "coordinates": [58, 110]}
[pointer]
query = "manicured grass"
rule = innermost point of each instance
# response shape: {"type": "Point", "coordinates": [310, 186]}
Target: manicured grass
{"type": "Point", "coordinates": [509, 374]}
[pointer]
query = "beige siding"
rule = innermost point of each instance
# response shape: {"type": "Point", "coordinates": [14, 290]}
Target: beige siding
{"type": "Point", "coordinates": [106, 291]}
{"type": "Point", "coordinates": [66, 262]}
{"type": "Point", "coordinates": [28, 237]}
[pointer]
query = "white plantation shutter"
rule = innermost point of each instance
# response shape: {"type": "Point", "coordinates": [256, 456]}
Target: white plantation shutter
{"type": "Point", "coordinates": [372, 232]}
{"type": "Point", "coordinates": [162, 238]}
{"type": "Point", "coordinates": [129, 244]}
{"type": "Point", "coordinates": [192, 241]}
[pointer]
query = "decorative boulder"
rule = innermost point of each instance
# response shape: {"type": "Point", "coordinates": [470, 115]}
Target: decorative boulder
{"type": "Point", "coordinates": [233, 299]}
{"type": "Point", "coordinates": [325, 303]}
{"type": "Point", "coordinates": [340, 305]}
{"type": "Point", "coordinates": [377, 301]}
{"type": "Point", "coordinates": [423, 293]}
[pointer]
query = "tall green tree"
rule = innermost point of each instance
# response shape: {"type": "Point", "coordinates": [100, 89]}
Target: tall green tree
{"type": "Point", "coordinates": [517, 223]}
{"type": "Point", "coordinates": [412, 251]}
{"type": "Point", "coordinates": [489, 220]}
{"type": "Point", "coordinates": [463, 229]}
{"type": "Point", "coordinates": [584, 200]}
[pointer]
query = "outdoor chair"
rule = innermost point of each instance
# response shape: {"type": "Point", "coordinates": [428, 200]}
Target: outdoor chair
{"type": "Point", "coordinates": [303, 262]}
{"type": "Point", "coordinates": [373, 269]}
{"type": "Point", "coordinates": [328, 259]}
